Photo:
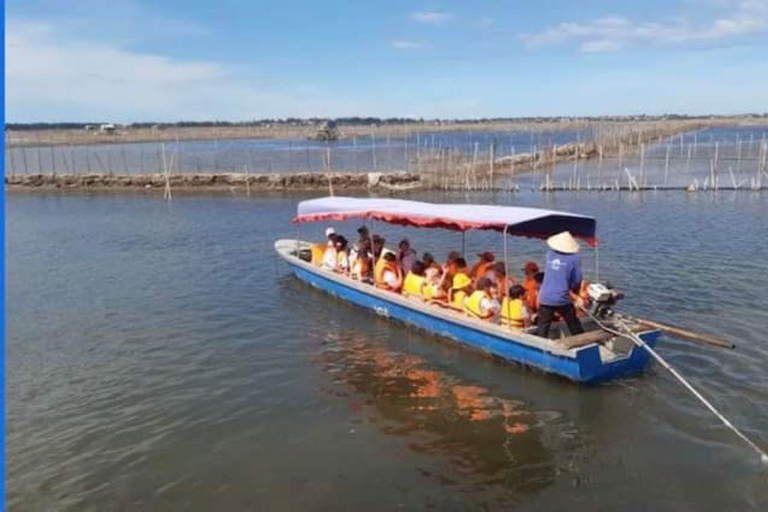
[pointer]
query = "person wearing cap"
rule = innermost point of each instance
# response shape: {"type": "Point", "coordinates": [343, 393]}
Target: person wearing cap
{"type": "Point", "coordinates": [330, 256]}
{"type": "Point", "coordinates": [330, 234]}
{"type": "Point", "coordinates": [531, 290]}
{"type": "Point", "coordinates": [406, 256]}
{"type": "Point", "coordinates": [460, 288]}
{"type": "Point", "coordinates": [562, 275]}
{"type": "Point", "coordinates": [483, 265]}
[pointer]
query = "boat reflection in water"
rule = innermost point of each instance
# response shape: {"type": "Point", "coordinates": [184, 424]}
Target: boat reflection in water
{"type": "Point", "coordinates": [488, 440]}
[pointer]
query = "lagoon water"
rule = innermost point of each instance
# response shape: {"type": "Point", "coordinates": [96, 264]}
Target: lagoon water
{"type": "Point", "coordinates": [160, 357]}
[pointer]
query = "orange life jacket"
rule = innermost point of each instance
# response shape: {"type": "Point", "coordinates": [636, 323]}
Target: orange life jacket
{"type": "Point", "coordinates": [481, 268]}
{"type": "Point", "coordinates": [383, 266]}
{"type": "Point", "coordinates": [318, 251]}
{"type": "Point", "coordinates": [531, 294]}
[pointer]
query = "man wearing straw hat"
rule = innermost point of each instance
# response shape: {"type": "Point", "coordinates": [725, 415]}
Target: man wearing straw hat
{"type": "Point", "coordinates": [562, 275]}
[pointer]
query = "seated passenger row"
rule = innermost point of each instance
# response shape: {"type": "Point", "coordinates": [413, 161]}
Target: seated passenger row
{"type": "Point", "coordinates": [484, 291]}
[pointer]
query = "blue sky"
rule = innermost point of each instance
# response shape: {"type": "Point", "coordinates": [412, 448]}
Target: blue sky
{"type": "Point", "coordinates": [134, 60]}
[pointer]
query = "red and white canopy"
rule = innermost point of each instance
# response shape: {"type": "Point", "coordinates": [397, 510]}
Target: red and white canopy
{"type": "Point", "coordinates": [519, 221]}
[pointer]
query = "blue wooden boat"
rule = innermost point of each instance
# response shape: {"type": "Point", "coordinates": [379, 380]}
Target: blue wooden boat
{"type": "Point", "coordinates": [591, 357]}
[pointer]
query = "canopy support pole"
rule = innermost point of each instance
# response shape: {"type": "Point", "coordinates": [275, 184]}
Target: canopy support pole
{"type": "Point", "coordinates": [298, 237]}
{"type": "Point", "coordinates": [597, 263]}
{"type": "Point", "coordinates": [464, 244]}
{"type": "Point", "coordinates": [373, 252]}
{"type": "Point", "coordinates": [506, 272]}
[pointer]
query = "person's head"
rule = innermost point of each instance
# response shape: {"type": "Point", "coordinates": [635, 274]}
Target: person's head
{"type": "Point", "coordinates": [452, 256]}
{"type": "Point", "coordinates": [483, 284]}
{"type": "Point", "coordinates": [432, 274]}
{"type": "Point", "coordinates": [493, 289]}
{"type": "Point", "coordinates": [538, 278]}
{"type": "Point", "coordinates": [530, 269]}
{"type": "Point", "coordinates": [388, 256]}
{"type": "Point", "coordinates": [500, 269]}
{"type": "Point", "coordinates": [486, 256]}
{"type": "Point", "coordinates": [516, 292]}
{"type": "Point", "coordinates": [418, 268]}
{"type": "Point", "coordinates": [363, 232]}
{"type": "Point", "coordinates": [461, 263]}
{"type": "Point", "coordinates": [330, 233]}
{"type": "Point", "coordinates": [428, 259]}
{"type": "Point", "coordinates": [378, 244]}
{"type": "Point", "coordinates": [404, 245]}
{"type": "Point", "coordinates": [340, 243]}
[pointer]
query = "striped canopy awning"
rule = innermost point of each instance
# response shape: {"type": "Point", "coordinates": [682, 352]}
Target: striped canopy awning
{"type": "Point", "coordinates": [514, 220]}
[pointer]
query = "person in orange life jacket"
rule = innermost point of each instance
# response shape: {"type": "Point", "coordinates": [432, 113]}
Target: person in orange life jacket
{"type": "Point", "coordinates": [362, 263]}
{"type": "Point", "coordinates": [406, 256]}
{"type": "Point", "coordinates": [415, 281]}
{"type": "Point", "coordinates": [483, 265]}
{"type": "Point", "coordinates": [529, 283]}
{"type": "Point", "coordinates": [561, 276]}
{"type": "Point", "coordinates": [532, 297]}
{"type": "Point", "coordinates": [513, 310]}
{"type": "Point", "coordinates": [480, 303]}
{"type": "Point", "coordinates": [498, 274]}
{"type": "Point", "coordinates": [449, 271]}
{"type": "Point", "coordinates": [387, 273]}
{"type": "Point", "coordinates": [342, 255]}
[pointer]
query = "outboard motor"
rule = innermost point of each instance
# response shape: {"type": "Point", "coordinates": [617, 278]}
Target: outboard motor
{"type": "Point", "coordinates": [603, 297]}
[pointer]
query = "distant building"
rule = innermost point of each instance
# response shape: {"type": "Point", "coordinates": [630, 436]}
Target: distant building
{"type": "Point", "coordinates": [89, 127]}
{"type": "Point", "coordinates": [107, 128]}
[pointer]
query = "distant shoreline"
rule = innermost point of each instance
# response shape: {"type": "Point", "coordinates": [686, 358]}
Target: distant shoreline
{"type": "Point", "coordinates": [77, 137]}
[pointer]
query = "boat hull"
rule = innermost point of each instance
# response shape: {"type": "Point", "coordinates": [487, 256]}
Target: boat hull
{"type": "Point", "coordinates": [583, 365]}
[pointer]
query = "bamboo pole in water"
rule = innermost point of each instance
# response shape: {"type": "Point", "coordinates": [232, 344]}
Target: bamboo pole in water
{"type": "Point", "coordinates": [11, 152]}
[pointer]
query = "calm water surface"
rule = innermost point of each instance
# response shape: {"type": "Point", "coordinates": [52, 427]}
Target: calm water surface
{"type": "Point", "coordinates": [160, 357]}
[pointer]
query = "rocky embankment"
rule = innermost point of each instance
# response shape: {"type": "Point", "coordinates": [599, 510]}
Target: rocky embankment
{"type": "Point", "coordinates": [213, 182]}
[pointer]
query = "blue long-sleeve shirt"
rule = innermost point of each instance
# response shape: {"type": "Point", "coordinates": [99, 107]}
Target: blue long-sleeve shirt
{"type": "Point", "coordinates": [562, 274]}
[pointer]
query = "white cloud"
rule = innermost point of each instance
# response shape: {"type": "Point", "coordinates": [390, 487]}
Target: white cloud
{"type": "Point", "coordinates": [404, 44]}
{"type": "Point", "coordinates": [609, 34]}
{"type": "Point", "coordinates": [432, 17]}
{"type": "Point", "coordinates": [50, 77]}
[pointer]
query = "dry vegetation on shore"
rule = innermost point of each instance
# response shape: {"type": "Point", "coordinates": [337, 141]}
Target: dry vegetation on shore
{"type": "Point", "coordinates": [80, 137]}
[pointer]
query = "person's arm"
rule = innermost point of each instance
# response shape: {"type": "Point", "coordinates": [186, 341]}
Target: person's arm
{"type": "Point", "coordinates": [576, 276]}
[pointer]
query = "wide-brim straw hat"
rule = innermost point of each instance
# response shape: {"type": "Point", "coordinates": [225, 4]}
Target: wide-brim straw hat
{"type": "Point", "coordinates": [563, 242]}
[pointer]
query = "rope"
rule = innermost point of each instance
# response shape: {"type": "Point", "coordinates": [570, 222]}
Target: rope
{"type": "Point", "coordinates": [639, 342]}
